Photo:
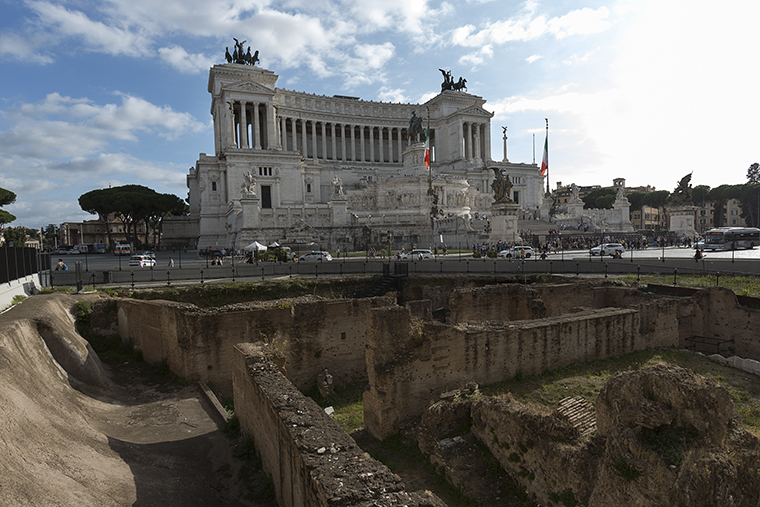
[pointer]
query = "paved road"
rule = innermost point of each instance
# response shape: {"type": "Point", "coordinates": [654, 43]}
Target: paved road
{"type": "Point", "coordinates": [191, 259]}
{"type": "Point", "coordinates": [189, 268]}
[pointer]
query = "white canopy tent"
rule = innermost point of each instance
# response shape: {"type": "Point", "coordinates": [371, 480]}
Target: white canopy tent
{"type": "Point", "coordinates": [256, 247]}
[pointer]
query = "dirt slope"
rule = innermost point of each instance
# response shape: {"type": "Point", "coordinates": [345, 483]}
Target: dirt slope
{"type": "Point", "coordinates": [70, 435]}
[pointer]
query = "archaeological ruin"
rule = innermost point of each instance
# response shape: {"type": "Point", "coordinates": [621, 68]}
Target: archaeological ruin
{"type": "Point", "coordinates": [426, 351]}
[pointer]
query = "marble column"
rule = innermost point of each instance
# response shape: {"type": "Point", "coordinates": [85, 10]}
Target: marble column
{"type": "Point", "coordinates": [343, 142]}
{"type": "Point", "coordinates": [255, 129]}
{"type": "Point", "coordinates": [371, 131]}
{"type": "Point", "coordinates": [304, 142]}
{"type": "Point", "coordinates": [468, 142]}
{"type": "Point", "coordinates": [243, 125]}
{"type": "Point", "coordinates": [332, 142]}
{"type": "Point", "coordinates": [361, 143]}
{"type": "Point", "coordinates": [353, 143]}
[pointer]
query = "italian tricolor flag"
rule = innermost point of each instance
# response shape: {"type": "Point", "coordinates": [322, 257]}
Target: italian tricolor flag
{"type": "Point", "coordinates": [545, 161]}
{"type": "Point", "coordinates": [427, 148]}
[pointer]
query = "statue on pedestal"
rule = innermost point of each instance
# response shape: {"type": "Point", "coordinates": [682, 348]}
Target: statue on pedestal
{"type": "Point", "coordinates": [502, 186]}
{"type": "Point", "coordinates": [337, 186]}
{"type": "Point", "coordinates": [682, 194]}
{"type": "Point", "coordinates": [249, 184]}
{"type": "Point", "coordinates": [415, 126]}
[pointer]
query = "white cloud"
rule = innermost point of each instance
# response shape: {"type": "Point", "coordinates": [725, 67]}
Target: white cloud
{"type": "Point", "coordinates": [392, 95]}
{"type": "Point", "coordinates": [180, 59]}
{"type": "Point", "coordinates": [64, 127]}
{"type": "Point", "coordinates": [21, 48]}
{"type": "Point", "coordinates": [98, 36]}
{"type": "Point", "coordinates": [525, 26]}
{"type": "Point", "coordinates": [365, 67]}
{"type": "Point", "coordinates": [574, 59]}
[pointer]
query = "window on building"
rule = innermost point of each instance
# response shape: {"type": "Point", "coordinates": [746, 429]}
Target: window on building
{"type": "Point", "coordinates": [213, 186]}
{"type": "Point", "coordinates": [266, 196]}
{"type": "Point", "coordinates": [308, 188]}
{"type": "Point", "coordinates": [702, 213]}
{"type": "Point", "coordinates": [516, 196]}
{"type": "Point", "coordinates": [733, 221]}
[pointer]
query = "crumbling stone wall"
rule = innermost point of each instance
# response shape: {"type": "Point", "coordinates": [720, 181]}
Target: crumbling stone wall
{"type": "Point", "coordinates": [715, 315]}
{"type": "Point", "coordinates": [496, 302]}
{"type": "Point", "coordinates": [409, 362]}
{"type": "Point", "coordinates": [311, 460]}
{"type": "Point", "coordinates": [628, 462]}
{"type": "Point", "coordinates": [310, 335]}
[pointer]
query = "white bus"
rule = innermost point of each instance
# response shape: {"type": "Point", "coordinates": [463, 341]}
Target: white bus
{"type": "Point", "coordinates": [732, 238]}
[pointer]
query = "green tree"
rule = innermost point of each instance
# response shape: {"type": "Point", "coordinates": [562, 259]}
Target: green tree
{"type": "Point", "coordinates": [131, 204]}
{"type": "Point", "coordinates": [15, 236]}
{"type": "Point", "coordinates": [49, 235]}
{"type": "Point", "coordinates": [719, 196]}
{"type": "Point", "coordinates": [748, 196]}
{"type": "Point", "coordinates": [165, 205]}
{"type": "Point", "coordinates": [101, 203]}
{"type": "Point", "coordinates": [6, 197]}
{"type": "Point", "coordinates": [636, 199]}
{"type": "Point", "coordinates": [700, 194]}
{"type": "Point", "coordinates": [753, 173]}
{"type": "Point", "coordinates": [600, 198]}
{"type": "Point", "coordinates": [656, 199]}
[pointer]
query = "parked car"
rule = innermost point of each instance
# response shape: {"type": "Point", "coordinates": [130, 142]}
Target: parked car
{"type": "Point", "coordinates": [315, 256]}
{"type": "Point", "coordinates": [608, 249]}
{"type": "Point", "coordinates": [62, 250]}
{"type": "Point", "coordinates": [141, 261]}
{"type": "Point", "coordinates": [518, 252]}
{"type": "Point", "coordinates": [149, 255]}
{"type": "Point", "coordinates": [416, 255]}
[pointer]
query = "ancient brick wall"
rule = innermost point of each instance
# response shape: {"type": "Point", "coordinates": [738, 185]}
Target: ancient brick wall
{"type": "Point", "coordinates": [504, 302]}
{"type": "Point", "coordinates": [408, 367]}
{"type": "Point", "coordinates": [724, 326]}
{"type": "Point", "coordinates": [198, 344]}
{"type": "Point", "coordinates": [311, 460]}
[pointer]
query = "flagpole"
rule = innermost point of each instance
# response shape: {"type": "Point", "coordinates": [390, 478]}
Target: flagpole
{"type": "Point", "coordinates": [534, 148]}
{"type": "Point", "coordinates": [547, 155]}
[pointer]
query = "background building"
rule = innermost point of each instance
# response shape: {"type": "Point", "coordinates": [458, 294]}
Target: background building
{"type": "Point", "coordinates": [341, 171]}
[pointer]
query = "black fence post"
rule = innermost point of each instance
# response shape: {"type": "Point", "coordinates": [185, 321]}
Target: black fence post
{"type": "Point", "coordinates": [201, 277]}
{"type": "Point", "coordinates": [132, 274]}
{"type": "Point", "coordinates": [168, 277]}
{"type": "Point", "coordinates": [675, 276]}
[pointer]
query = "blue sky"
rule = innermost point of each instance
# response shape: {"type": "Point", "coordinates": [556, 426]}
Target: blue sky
{"type": "Point", "coordinates": [111, 92]}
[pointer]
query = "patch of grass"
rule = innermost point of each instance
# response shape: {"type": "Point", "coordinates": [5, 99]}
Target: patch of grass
{"type": "Point", "coordinates": [669, 442]}
{"type": "Point", "coordinates": [348, 402]}
{"type": "Point", "coordinates": [626, 470]}
{"type": "Point", "coordinates": [742, 285]}
{"type": "Point", "coordinates": [17, 299]}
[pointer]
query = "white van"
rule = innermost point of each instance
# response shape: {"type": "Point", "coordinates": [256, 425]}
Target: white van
{"type": "Point", "coordinates": [122, 250]}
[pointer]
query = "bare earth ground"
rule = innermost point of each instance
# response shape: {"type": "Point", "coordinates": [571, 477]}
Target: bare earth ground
{"type": "Point", "coordinates": [113, 440]}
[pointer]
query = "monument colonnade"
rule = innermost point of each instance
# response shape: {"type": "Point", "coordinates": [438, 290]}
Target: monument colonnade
{"type": "Point", "coordinates": [347, 141]}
